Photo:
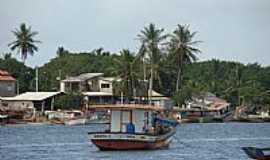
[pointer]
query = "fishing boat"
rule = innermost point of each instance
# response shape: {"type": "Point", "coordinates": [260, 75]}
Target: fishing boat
{"type": "Point", "coordinates": [257, 153]}
{"type": "Point", "coordinates": [134, 127]}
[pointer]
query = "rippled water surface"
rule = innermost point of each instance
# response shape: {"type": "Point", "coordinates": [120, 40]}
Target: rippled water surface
{"type": "Point", "coordinates": [192, 142]}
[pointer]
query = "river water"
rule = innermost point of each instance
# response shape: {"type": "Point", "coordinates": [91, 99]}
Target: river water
{"type": "Point", "coordinates": [192, 142]}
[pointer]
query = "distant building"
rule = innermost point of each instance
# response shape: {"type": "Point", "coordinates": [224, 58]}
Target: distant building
{"type": "Point", "coordinates": [99, 89]}
{"type": "Point", "coordinates": [94, 86]}
{"type": "Point", "coordinates": [40, 101]}
{"type": "Point", "coordinates": [207, 105]}
{"type": "Point", "coordinates": [7, 84]}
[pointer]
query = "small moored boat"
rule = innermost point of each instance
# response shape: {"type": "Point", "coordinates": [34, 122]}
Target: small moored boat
{"type": "Point", "coordinates": [257, 153]}
{"type": "Point", "coordinates": [134, 127]}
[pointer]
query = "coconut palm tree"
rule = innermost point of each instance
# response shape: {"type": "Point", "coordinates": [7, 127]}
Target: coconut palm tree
{"type": "Point", "coordinates": [125, 70]}
{"type": "Point", "coordinates": [24, 43]}
{"type": "Point", "coordinates": [151, 40]}
{"type": "Point", "coordinates": [181, 46]}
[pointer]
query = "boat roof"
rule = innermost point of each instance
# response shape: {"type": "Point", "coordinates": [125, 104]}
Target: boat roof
{"type": "Point", "coordinates": [126, 107]}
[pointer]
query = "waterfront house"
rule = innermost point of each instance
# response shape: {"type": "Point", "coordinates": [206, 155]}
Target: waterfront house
{"type": "Point", "coordinates": [39, 101]}
{"type": "Point", "coordinates": [207, 106]}
{"type": "Point", "coordinates": [98, 89]}
{"type": "Point", "coordinates": [7, 84]}
{"type": "Point", "coordinates": [95, 87]}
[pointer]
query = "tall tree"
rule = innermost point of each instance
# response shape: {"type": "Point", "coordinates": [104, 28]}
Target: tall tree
{"type": "Point", "coordinates": [124, 69]}
{"type": "Point", "coordinates": [151, 38]}
{"type": "Point", "coordinates": [25, 42]}
{"type": "Point", "coordinates": [181, 47]}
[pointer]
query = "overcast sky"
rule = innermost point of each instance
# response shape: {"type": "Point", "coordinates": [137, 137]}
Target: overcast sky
{"type": "Point", "coordinates": [237, 30]}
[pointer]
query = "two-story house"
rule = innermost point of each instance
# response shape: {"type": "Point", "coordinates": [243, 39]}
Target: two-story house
{"type": "Point", "coordinates": [94, 86]}
{"type": "Point", "coordinates": [99, 89]}
{"type": "Point", "coordinates": [7, 84]}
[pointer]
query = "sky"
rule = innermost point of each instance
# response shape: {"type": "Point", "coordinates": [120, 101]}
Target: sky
{"type": "Point", "coordinates": [233, 30]}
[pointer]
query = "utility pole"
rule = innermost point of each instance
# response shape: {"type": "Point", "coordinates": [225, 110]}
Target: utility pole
{"type": "Point", "coordinates": [36, 79]}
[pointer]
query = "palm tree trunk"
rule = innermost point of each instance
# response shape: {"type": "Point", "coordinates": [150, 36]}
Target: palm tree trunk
{"type": "Point", "coordinates": [178, 79]}
{"type": "Point", "coordinates": [151, 85]}
{"type": "Point", "coordinates": [144, 70]}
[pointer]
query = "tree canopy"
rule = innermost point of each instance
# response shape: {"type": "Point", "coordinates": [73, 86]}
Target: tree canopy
{"type": "Point", "coordinates": [236, 82]}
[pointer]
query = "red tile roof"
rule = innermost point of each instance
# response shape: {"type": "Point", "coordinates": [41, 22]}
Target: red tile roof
{"type": "Point", "coordinates": [5, 76]}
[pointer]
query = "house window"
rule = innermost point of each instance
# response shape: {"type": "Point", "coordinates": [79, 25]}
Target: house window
{"type": "Point", "coordinates": [9, 87]}
{"type": "Point", "coordinates": [105, 85]}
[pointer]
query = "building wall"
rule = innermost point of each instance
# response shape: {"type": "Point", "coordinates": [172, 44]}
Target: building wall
{"type": "Point", "coordinates": [7, 88]}
{"type": "Point", "coordinates": [105, 86]}
{"type": "Point", "coordinates": [16, 105]}
{"type": "Point", "coordinates": [93, 85]}
{"type": "Point", "coordinates": [62, 86]}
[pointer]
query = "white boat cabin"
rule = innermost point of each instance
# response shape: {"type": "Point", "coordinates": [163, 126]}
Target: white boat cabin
{"type": "Point", "coordinates": [141, 119]}
{"type": "Point", "coordinates": [139, 116]}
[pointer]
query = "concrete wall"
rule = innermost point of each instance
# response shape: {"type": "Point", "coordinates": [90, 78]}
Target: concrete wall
{"type": "Point", "coordinates": [7, 88]}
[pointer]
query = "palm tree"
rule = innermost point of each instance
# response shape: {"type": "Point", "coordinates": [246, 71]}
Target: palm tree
{"type": "Point", "coordinates": [124, 69]}
{"type": "Point", "coordinates": [151, 38]}
{"type": "Point", "coordinates": [181, 46]}
{"type": "Point", "coordinates": [24, 43]}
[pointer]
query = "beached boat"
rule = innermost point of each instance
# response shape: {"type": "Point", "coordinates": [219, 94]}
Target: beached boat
{"type": "Point", "coordinates": [76, 118]}
{"type": "Point", "coordinates": [257, 153]}
{"type": "Point", "coordinates": [98, 119]}
{"type": "Point", "coordinates": [134, 127]}
{"type": "Point", "coordinates": [75, 121]}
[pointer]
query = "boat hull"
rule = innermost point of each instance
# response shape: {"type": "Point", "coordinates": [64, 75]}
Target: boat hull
{"type": "Point", "coordinates": [106, 145]}
{"type": "Point", "coordinates": [120, 141]}
{"type": "Point", "coordinates": [73, 122]}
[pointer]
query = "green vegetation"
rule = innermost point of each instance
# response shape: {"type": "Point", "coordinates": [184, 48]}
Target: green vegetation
{"type": "Point", "coordinates": [23, 74]}
{"type": "Point", "coordinates": [69, 101]}
{"type": "Point", "coordinates": [167, 61]}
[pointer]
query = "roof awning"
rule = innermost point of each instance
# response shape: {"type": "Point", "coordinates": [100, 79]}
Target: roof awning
{"type": "Point", "coordinates": [126, 107]}
{"type": "Point", "coordinates": [32, 96]}
{"type": "Point", "coordinates": [93, 94]}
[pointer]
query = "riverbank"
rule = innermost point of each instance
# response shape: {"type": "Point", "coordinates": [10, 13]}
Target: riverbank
{"type": "Point", "coordinates": [185, 121]}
